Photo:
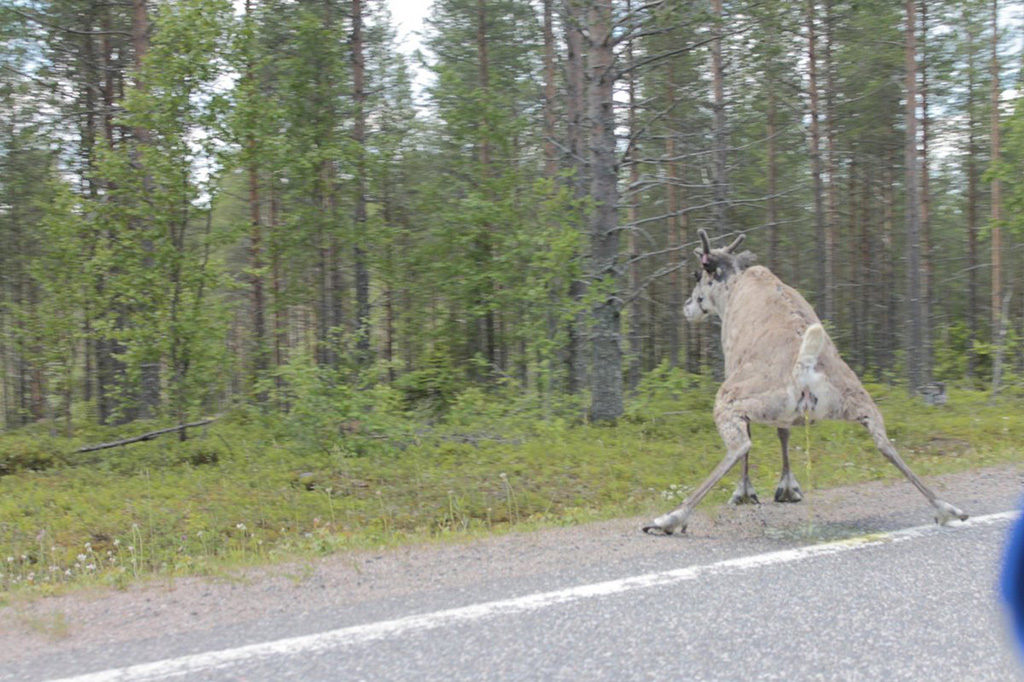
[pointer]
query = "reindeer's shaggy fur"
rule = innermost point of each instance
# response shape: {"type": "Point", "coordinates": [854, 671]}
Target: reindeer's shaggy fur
{"type": "Point", "coordinates": [780, 368]}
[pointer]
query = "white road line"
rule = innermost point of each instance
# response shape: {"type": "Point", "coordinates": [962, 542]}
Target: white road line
{"type": "Point", "coordinates": [311, 644]}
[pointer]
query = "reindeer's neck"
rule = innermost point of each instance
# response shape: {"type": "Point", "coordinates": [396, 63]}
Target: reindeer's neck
{"type": "Point", "coordinates": [719, 298]}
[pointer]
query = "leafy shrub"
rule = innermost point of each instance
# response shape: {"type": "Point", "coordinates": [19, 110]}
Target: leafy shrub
{"type": "Point", "coordinates": [338, 412]}
{"type": "Point", "coordinates": [25, 452]}
{"type": "Point", "coordinates": [435, 385]}
{"type": "Point", "coordinates": [671, 390]}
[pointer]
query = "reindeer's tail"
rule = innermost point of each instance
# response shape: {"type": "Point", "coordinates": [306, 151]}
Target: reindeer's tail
{"type": "Point", "coordinates": [811, 346]}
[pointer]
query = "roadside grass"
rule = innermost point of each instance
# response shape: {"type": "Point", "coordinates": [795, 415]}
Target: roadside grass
{"type": "Point", "coordinates": [252, 489]}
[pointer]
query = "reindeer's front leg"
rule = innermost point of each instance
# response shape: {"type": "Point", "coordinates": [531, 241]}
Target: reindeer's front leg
{"type": "Point", "coordinates": [745, 493]}
{"type": "Point", "coordinates": [734, 428]}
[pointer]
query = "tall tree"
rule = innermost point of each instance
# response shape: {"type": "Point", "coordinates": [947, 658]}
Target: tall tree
{"type": "Point", "coordinates": [362, 277]}
{"type": "Point", "coordinates": [576, 97]}
{"type": "Point", "coordinates": [997, 198]}
{"type": "Point", "coordinates": [606, 391]}
{"type": "Point", "coordinates": [972, 200]}
{"type": "Point", "coordinates": [912, 208]}
{"type": "Point", "coordinates": [924, 67]}
{"type": "Point", "coordinates": [720, 167]}
{"type": "Point", "coordinates": [821, 284]}
{"type": "Point", "coordinates": [633, 194]}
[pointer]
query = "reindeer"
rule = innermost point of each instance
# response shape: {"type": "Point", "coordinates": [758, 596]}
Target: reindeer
{"type": "Point", "coordinates": [781, 368]}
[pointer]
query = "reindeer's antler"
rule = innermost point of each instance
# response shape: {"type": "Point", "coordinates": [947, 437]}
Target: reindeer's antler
{"type": "Point", "coordinates": [704, 240]}
{"type": "Point", "coordinates": [736, 242]}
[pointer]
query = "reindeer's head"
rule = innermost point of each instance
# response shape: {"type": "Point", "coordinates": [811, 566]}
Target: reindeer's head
{"type": "Point", "coordinates": [717, 266]}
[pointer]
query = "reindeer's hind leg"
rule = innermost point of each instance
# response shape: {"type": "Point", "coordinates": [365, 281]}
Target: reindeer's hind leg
{"type": "Point", "coordinates": [871, 418]}
{"type": "Point", "coordinates": [733, 427]}
{"type": "Point", "coordinates": [745, 493]}
{"type": "Point", "coordinates": [788, 489]}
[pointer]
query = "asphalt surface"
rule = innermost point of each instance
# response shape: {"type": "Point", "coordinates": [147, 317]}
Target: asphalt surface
{"type": "Point", "coordinates": [882, 603]}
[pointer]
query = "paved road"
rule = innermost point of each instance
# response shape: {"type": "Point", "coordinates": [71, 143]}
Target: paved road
{"type": "Point", "coordinates": [911, 602]}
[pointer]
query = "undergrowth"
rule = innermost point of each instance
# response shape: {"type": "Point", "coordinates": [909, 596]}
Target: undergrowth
{"type": "Point", "coordinates": [255, 488]}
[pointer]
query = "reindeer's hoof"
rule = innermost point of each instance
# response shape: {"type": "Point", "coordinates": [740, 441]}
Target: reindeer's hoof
{"type": "Point", "coordinates": [945, 512]}
{"type": "Point", "coordinates": [744, 498]}
{"type": "Point", "coordinates": [788, 490]}
{"type": "Point", "coordinates": [745, 493]}
{"type": "Point", "coordinates": [665, 525]}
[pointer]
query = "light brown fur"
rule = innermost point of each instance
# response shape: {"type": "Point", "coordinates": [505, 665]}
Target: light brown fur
{"type": "Point", "coordinates": [780, 369]}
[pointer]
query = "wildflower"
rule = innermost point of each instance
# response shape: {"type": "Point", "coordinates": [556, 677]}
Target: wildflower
{"type": "Point", "coordinates": [117, 542]}
{"type": "Point", "coordinates": [81, 558]}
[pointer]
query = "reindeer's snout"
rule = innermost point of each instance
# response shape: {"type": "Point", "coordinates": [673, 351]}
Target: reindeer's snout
{"type": "Point", "coordinates": [694, 309]}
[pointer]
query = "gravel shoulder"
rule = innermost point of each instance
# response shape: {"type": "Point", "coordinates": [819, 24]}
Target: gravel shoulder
{"type": "Point", "coordinates": [355, 582]}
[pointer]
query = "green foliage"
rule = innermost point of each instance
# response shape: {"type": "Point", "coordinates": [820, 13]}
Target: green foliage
{"type": "Point", "coordinates": [668, 389]}
{"type": "Point", "coordinates": [341, 413]}
{"type": "Point", "coordinates": [253, 489]}
{"type": "Point", "coordinates": [30, 452]}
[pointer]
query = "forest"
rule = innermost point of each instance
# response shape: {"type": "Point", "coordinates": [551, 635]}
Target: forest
{"type": "Point", "coordinates": [206, 204]}
{"type": "Point", "coordinates": [275, 282]}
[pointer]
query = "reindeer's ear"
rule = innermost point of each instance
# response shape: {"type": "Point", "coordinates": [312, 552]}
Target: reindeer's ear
{"type": "Point", "coordinates": [745, 260]}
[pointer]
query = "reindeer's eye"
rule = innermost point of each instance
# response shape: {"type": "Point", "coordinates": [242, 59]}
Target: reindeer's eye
{"type": "Point", "coordinates": [696, 276]}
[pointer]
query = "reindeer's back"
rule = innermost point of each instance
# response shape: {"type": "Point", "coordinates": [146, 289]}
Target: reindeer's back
{"type": "Point", "coordinates": [764, 323]}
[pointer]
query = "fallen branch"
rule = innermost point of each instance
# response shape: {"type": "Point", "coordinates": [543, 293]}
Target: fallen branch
{"type": "Point", "coordinates": [146, 436]}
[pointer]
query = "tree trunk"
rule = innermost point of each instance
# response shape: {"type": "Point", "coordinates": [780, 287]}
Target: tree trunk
{"type": "Point", "coordinates": [913, 221]}
{"type": "Point", "coordinates": [820, 250]}
{"type": "Point", "coordinates": [675, 243]}
{"type": "Point", "coordinates": [257, 302]}
{"type": "Point", "coordinates": [149, 390]}
{"type": "Point", "coordinates": [997, 196]}
{"type": "Point", "coordinates": [258, 305]}
{"type": "Point", "coordinates": [926, 227]}
{"type": "Point", "coordinates": [362, 275]}
{"type": "Point", "coordinates": [831, 171]}
{"type": "Point", "coordinates": [550, 115]}
{"type": "Point", "coordinates": [972, 205]}
{"type": "Point", "coordinates": [606, 394]}
{"type": "Point", "coordinates": [280, 323]}
{"type": "Point", "coordinates": [773, 186]}
{"type": "Point", "coordinates": [635, 303]}
{"type": "Point", "coordinates": [719, 133]}
{"type": "Point", "coordinates": [489, 324]}
{"type": "Point", "coordinates": [576, 356]}
{"type": "Point", "coordinates": [888, 255]}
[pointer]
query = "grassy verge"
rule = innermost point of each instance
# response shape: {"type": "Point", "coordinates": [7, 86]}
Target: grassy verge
{"type": "Point", "coordinates": [253, 489]}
